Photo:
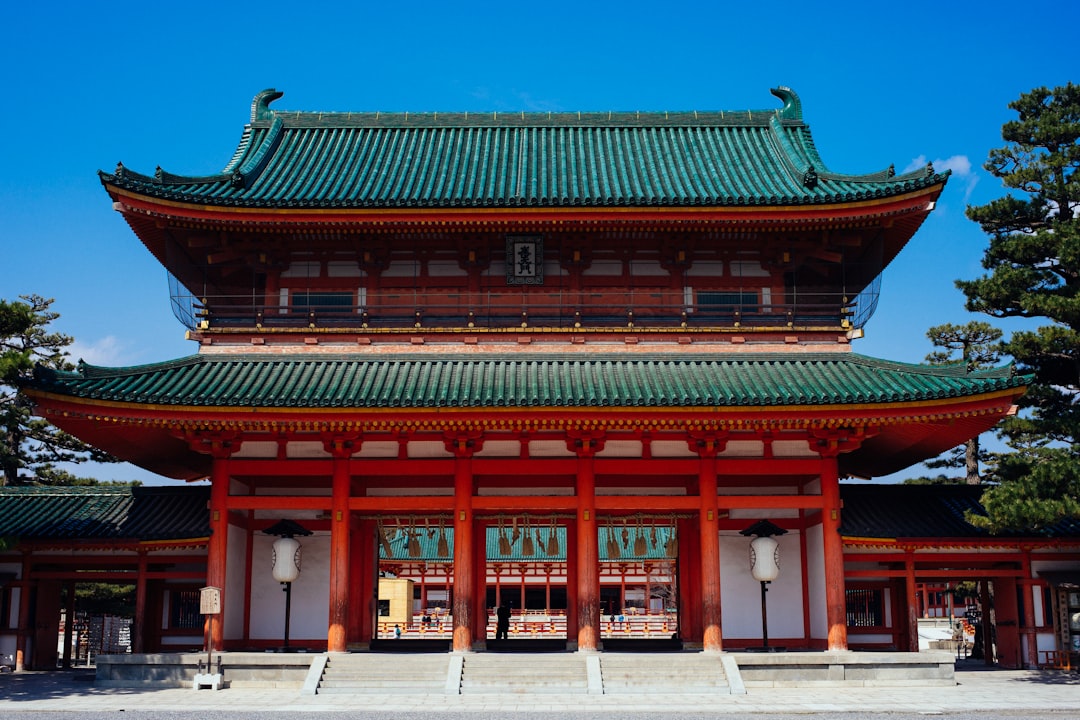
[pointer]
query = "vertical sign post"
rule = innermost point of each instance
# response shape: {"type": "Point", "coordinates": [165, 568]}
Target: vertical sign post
{"type": "Point", "coordinates": [209, 605]}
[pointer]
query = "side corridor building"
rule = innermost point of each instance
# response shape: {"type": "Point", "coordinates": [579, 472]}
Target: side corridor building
{"type": "Point", "coordinates": [564, 361]}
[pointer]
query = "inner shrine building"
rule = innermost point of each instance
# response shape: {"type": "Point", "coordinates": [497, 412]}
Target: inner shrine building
{"type": "Point", "coordinates": [565, 362]}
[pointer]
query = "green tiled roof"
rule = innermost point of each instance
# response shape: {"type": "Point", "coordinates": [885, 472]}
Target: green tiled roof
{"type": "Point", "coordinates": [104, 512]}
{"type": "Point", "coordinates": [492, 160]}
{"type": "Point", "coordinates": [586, 381]}
{"type": "Point", "coordinates": [926, 511]}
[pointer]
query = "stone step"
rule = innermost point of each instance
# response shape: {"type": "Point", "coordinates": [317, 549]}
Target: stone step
{"type": "Point", "coordinates": [361, 673]}
{"type": "Point", "coordinates": [406, 683]}
{"type": "Point", "coordinates": [379, 690]}
{"type": "Point", "coordinates": [690, 674]}
{"type": "Point", "coordinates": [523, 689]}
{"type": "Point", "coordinates": [560, 673]}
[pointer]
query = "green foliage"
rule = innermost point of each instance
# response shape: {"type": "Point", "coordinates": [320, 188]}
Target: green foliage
{"type": "Point", "coordinates": [1033, 271]}
{"type": "Point", "coordinates": [105, 599]}
{"type": "Point", "coordinates": [1038, 488]}
{"type": "Point", "coordinates": [936, 480]}
{"type": "Point", "coordinates": [27, 441]}
{"type": "Point", "coordinates": [976, 345]}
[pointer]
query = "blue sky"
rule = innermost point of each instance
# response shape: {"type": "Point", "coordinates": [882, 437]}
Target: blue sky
{"type": "Point", "coordinates": [88, 84]}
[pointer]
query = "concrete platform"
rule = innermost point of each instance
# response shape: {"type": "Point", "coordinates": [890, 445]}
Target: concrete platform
{"type": "Point", "coordinates": [781, 669]}
{"type": "Point", "coordinates": [1023, 693]}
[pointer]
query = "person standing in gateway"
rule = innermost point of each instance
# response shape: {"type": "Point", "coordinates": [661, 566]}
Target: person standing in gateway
{"type": "Point", "coordinates": [502, 624]}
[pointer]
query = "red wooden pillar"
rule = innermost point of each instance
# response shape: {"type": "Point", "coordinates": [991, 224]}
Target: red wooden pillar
{"type": "Point", "coordinates": [689, 581]}
{"type": "Point", "coordinates": [138, 644]}
{"type": "Point", "coordinates": [218, 545]}
{"type": "Point", "coordinates": [709, 523]}
{"type": "Point", "coordinates": [464, 604]}
{"type": "Point", "coordinates": [340, 526]}
{"type": "Point", "coordinates": [1028, 630]}
{"type": "Point", "coordinates": [1007, 618]}
{"type": "Point", "coordinates": [26, 596]}
{"type": "Point", "coordinates": [362, 600]}
{"type": "Point", "coordinates": [480, 574]}
{"type": "Point", "coordinates": [586, 445]}
{"type": "Point", "coordinates": [69, 622]}
{"type": "Point", "coordinates": [571, 584]}
{"type": "Point", "coordinates": [911, 622]}
{"type": "Point", "coordinates": [835, 594]}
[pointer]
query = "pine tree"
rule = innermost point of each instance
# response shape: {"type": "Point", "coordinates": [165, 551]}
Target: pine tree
{"type": "Point", "coordinates": [1033, 271]}
{"type": "Point", "coordinates": [28, 442]}
{"type": "Point", "coordinates": [978, 345]}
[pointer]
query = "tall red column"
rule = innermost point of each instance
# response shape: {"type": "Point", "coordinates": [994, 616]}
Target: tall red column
{"type": "Point", "coordinates": [340, 537]}
{"type": "Point", "coordinates": [26, 596]}
{"type": "Point", "coordinates": [709, 522]}
{"type": "Point", "coordinates": [911, 636]}
{"type": "Point", "coordinates": [835, 594]}
{"type": "Point", "coordinates": [465, 601]}
{"type": "Point", "coordinates": [571, 584]}
{"type": "Point", "coordinates": [588, 551]}
{"type": "Point", "coordinates": [364, 584]}
{"type": "Point", "coordinates": [138, 643]}
{"type": "Point", "coordinates": [218, 545]}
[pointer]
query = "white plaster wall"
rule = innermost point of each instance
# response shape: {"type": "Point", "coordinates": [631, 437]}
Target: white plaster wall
{"type": "Point", "coordinates": [310, 618]}
{"type": "Point", "coordinates": [740, 593]}
{"type": "Point", "coordinates": [235, 561]}
{"type": "Point", "coordinates": [815, 569]}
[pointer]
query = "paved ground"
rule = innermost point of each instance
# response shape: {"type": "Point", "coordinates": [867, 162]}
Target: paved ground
{"type": "Point", "coordinates": [1005, 693]}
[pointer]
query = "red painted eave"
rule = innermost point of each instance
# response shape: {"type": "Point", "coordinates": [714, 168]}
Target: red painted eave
{"type": "Point", "coordinates": [834, 214]}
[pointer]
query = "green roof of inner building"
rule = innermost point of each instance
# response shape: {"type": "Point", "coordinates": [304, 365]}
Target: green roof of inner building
{"type": "Point", "coordinates": [104, 512]}
{"type": "Point", "coordinates": [511, 380]}
{"type": "Point", "coordinates": [494, 160]}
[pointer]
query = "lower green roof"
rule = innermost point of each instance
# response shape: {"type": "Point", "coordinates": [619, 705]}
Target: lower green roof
{"type": "Point", "coordinates": [103, 512]}
{"type": "Point", "coordinates": [505, 380]}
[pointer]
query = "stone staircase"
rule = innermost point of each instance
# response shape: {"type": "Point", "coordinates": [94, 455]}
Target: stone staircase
{"type": "Point", "coordinates": [663, 673]}
{"type": "Point", "coordinates": [374, 673]}
{"type": "Point", "coordinates": [560, 673]}
{"type": "Point", "coordinates": [538, 673]}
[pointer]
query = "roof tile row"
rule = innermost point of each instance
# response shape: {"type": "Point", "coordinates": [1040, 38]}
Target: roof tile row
{"type": "Point", "coordinates": [505, 381]}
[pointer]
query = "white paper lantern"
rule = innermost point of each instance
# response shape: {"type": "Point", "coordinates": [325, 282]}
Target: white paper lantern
{"type": "Point", "coordinates": [764, 559]}
{"type": "Point", "coordinates": [286, 559]}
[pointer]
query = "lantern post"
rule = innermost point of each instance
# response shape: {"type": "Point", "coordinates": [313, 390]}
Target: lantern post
{"type": "Point", "coordinates": [286, 562]}
{"type": "Point", "coordinates": [765, 567]}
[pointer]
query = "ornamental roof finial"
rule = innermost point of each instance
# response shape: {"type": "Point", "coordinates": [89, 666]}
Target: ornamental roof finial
{"type": "Point", "coordinates": [792, 109]}
{"type": "Point", "coordinates": [260, 106]}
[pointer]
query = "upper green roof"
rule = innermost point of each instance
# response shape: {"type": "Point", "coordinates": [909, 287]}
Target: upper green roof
{"type": "Point", "coordinates": [491, 160]}
{"type": "Point", "coordinates": [507, 380]}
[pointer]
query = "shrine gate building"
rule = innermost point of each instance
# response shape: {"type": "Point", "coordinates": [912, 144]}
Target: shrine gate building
{"type": "Point", "coordinates": [560, 360]}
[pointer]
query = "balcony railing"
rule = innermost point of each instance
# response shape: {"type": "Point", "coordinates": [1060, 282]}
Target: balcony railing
{"type": "Point", "coordinates": [508, 310]}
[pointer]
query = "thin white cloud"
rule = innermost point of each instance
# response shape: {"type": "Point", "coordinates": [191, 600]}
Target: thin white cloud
{"type": "Point", "coordinates": [960, 166]}
{"type": "Point", "coordinates": [107, 351]}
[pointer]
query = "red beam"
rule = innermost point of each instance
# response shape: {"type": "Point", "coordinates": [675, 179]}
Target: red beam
{"type": "Point", "coordinates": [955, 573]}
{"type": "Point", "coordinates": [129, 576]}
{"type": "Point", "coordinates": [278, 502]}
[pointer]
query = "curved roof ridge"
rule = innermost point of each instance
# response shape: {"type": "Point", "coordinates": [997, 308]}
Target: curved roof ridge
{"type": "Point", "coordinates": [282, 155]}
